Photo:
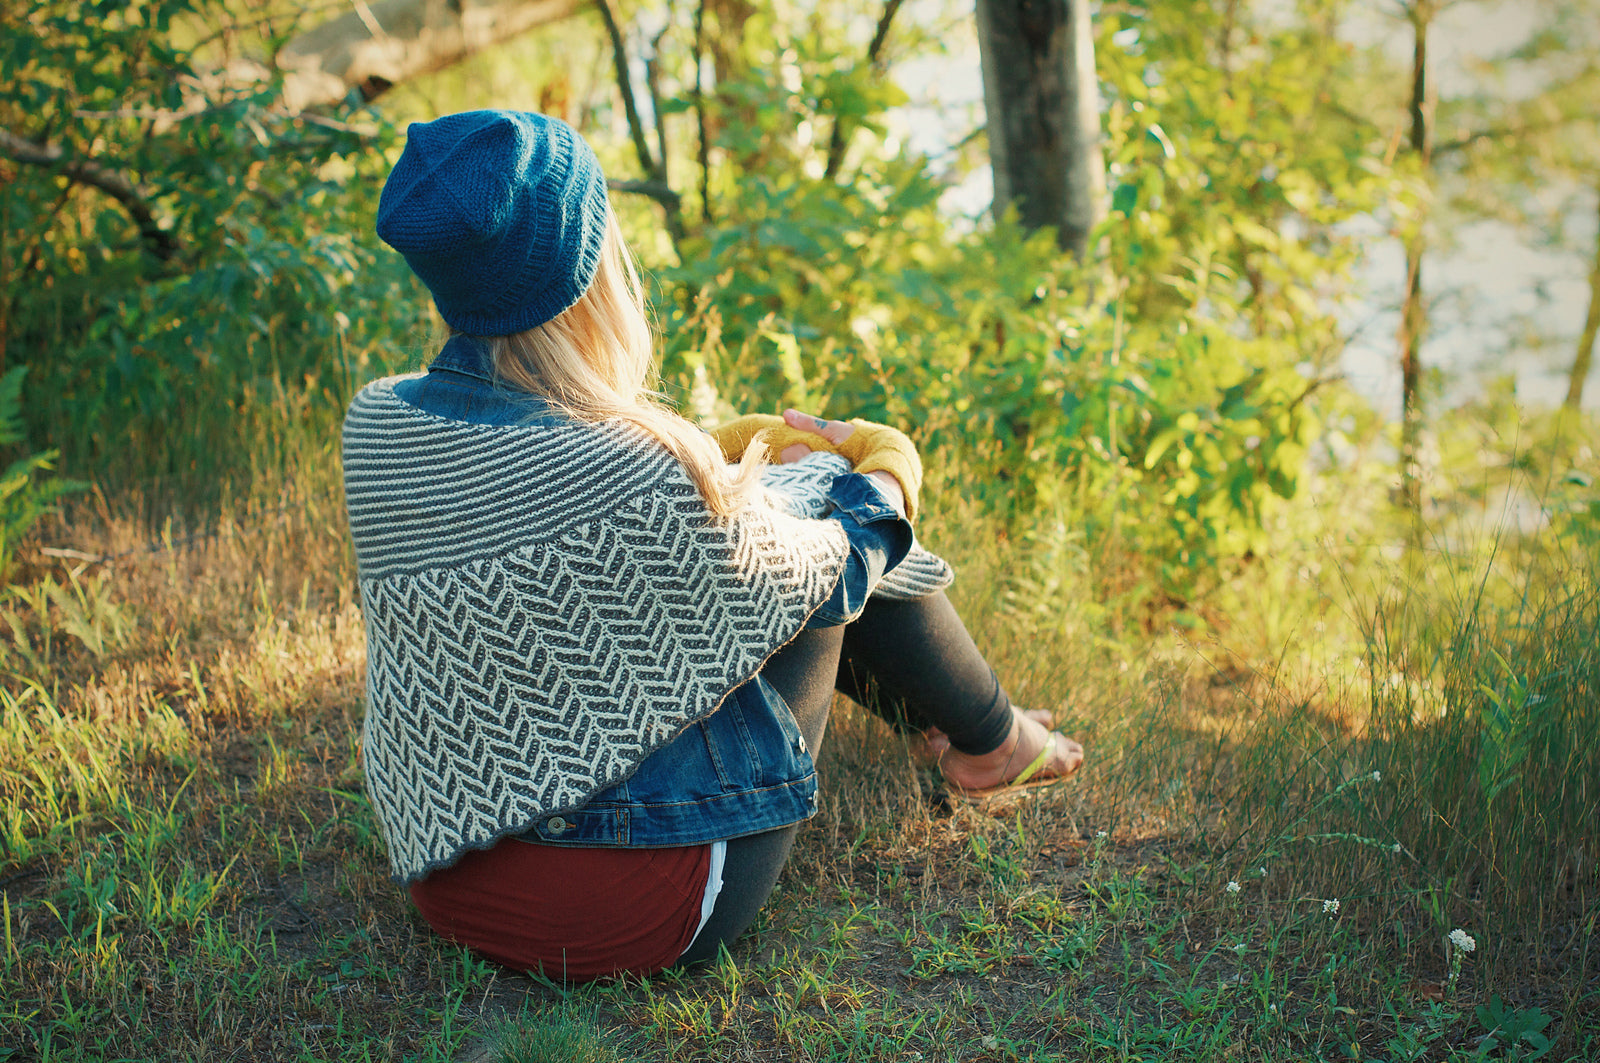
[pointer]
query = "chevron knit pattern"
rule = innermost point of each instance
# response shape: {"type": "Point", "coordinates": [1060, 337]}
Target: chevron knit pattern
{"type": "Point", "coordinates": [802, 489]}
{"type": "Point", "coordinates": [545, 607]}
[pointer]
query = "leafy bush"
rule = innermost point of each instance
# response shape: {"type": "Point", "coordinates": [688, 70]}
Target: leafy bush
{"type": "Point", "coordinates": [193, 258]}
{"type": "Point", "coordinates": [1165, 391]}
{"type": "Point", "coordinates": [25, 495]}
{"type": "Point", "coordinates": [1168, 389]}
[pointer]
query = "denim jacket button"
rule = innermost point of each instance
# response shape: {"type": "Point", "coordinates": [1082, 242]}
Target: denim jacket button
{"type": "Point", "coordinates": [556, 825]}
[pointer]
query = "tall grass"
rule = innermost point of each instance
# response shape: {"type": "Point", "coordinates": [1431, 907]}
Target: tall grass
{"type": "Point", "coordinates": [180, 791]}
{"type": "Point", "coordinates": [1414, 731]}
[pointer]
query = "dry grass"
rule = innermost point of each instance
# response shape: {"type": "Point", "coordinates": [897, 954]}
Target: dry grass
{"type": "Point", "coordinates": [190, 870]}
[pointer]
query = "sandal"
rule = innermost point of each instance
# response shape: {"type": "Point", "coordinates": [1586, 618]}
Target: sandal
{"type": "Point", "coordinates": [1028, 779]}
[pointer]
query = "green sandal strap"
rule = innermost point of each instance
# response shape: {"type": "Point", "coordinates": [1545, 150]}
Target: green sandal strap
{"type": "Point", "coordinates": [1038, 762]}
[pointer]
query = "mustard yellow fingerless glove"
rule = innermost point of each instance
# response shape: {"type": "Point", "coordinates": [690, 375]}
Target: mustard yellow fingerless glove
{"type": "Point", "coordinates": [870, 448]}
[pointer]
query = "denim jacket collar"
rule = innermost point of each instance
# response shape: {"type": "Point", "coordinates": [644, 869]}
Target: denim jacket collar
{"type": "Point", "coordinates": [467, 355]}
{"type": "Point", "coordinates": [460, 385]}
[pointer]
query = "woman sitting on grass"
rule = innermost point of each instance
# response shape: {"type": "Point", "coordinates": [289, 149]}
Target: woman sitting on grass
{"type": "Point", "coordinates": [600, 658]}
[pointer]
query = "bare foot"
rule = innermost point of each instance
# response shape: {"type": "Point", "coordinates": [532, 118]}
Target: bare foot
{"type": "Point", "coordinates": [1030, 734]}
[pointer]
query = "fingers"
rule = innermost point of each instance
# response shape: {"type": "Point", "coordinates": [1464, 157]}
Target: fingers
{"type": "Point", "coordinates": [833, 431]}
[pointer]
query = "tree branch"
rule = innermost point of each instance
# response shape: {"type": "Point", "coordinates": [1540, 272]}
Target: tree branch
{"type": "Point", "coordinates": [836, 139]}
{"type": "Point", "coordinates": [1505, 131]}
{"type": "Point", "coordinates": [619, 57]}
{"type": "Point", "coordinates": [656, 186]}
{"type": "Point", "coordinates": [160, 242]}
{"type": "Point", "coordinates": [656, 190]}
{"type": "Point", "coordinates": [652, 83]}
{"type": "Point", "coordinates": [1591, 328]}
{"type": "Point", "coordinates": [378, 43]}
{"type": "Point", "coordinates": [703, 148]}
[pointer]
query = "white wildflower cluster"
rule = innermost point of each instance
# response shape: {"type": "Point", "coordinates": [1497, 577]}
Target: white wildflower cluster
{"type": "Point", "coordinates": [1234, 887]}
{"type": "Point", "coordinates": [1463, 940]}
{"type": "Point", "coordinates": [1330, 907]}
{"type": "Point", "coordinates": [1240, 948]}
{"type": "Point", "coordinates": [1377, 776]}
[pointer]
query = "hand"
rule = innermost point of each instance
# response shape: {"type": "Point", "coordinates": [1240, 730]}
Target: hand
{"type": "Point", "coordinates": [835, 432]}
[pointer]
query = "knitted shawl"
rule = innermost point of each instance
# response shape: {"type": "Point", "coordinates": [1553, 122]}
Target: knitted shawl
{"type": "Point", "coordinates": [547, 605]}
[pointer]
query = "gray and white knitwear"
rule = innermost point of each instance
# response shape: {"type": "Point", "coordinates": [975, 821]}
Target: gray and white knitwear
{"type": "Point", "coordinates": [546, 605]}
{"type": "Point", "coordinates": [801, 488]}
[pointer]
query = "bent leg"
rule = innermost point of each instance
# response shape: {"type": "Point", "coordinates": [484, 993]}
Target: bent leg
{"type": "Point", "coordinates": [915, 664]}
{"type": "Point", "coordinates": [803, 674]}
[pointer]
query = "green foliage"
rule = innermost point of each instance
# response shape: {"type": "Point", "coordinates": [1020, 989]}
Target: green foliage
{"type": "Point", "coordinates": [1165, 391]}
{"type": "Point", "coordinates": [1467, 785]}
{"type": "Point", "coordinates": [42, 614]}
{"type": "Point", "coordinates": [1519, 1032]}
{"type": "Point", "coordinates": [1519, 142]}
{"type": "Point", "coordinates": [195, 259]}
{"type": "Point", "coordinates": [556, 1034]}
{"type": "Point", "coordinates": [1168, 388]}
{"type": "Point", "coordinates": [25, 495]}
{"type": "Point", "coordinates": [1507, 716]}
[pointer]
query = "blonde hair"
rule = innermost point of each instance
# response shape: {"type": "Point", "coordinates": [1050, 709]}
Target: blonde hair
{"type": "Point", "coordinates": [596, 361]}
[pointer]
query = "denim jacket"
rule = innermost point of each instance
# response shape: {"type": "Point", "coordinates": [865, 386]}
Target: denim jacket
{"type": "Point", "coordinates": [744, 768]}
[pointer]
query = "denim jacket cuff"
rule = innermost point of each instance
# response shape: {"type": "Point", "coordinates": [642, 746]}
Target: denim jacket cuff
{"type": "Point", "coordinates": [879, 539]}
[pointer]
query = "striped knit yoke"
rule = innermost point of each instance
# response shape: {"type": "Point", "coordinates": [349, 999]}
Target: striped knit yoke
{"type": "Point", "coordinates": [801, 490]}
{"type": "Point", "coordinates": [546, 605]}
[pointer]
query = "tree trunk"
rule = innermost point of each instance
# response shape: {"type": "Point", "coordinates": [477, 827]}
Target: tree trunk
{"type": "Point", "coordinates": [384, 42]}
{"type": "Point", "coordinates": [1591, 327]}
{"type": "Point", "coordinates": [1413, 310]}
{"type": "Point", "coordinates": [1043, 107]}
{"type": "Point", "coordinates": [839, 139]}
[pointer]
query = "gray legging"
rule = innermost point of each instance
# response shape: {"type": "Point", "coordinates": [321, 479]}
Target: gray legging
{"type": "Point", "coordinates": [912, 663]}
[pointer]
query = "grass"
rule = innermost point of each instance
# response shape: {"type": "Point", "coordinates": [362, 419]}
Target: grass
{"type": "Point", "coordinates": [189, 870]}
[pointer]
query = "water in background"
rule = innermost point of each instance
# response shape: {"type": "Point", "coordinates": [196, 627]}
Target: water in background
{"type": "Point", "coordinates": [1502, 301]}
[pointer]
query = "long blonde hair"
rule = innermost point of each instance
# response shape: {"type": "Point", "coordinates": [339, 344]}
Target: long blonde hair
{"type": "Point", "coordinates": [596, 361]}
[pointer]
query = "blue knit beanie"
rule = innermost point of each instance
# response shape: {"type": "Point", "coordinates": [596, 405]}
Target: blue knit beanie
{"type": "Point", "coordinates": [501, 213]}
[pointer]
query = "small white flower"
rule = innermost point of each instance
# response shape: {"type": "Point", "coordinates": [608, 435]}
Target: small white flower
{"type": "Point", "coordinates": [1100, 834]}
{"type": "Point", "coordinates": [1273, 1008]}
{"type": "Point", "coordinates": [1330, 907]}
{"type": "Point", "coordinates": [1261, 871]}
{"type": "Point", "coordinates": [1396, 847]}
{"type": "Point", "coordinates": [1234, 887]}
{"type": "Point", "coordinates": [1240, 948]}
{"type": "Point", "coordinates": [1463, 940]}
{"type": "Point", "coordinates": [1377, 776]}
